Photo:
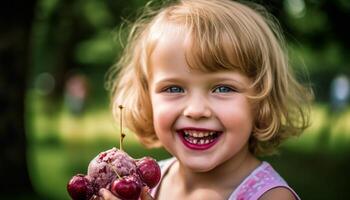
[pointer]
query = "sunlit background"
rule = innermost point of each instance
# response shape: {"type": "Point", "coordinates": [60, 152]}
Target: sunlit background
{"type": "Point", "coordinates": [66, 118]}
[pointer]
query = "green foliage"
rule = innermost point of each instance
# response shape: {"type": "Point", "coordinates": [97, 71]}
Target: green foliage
{"type": "Point", "coordinates": [96, 13]}
{"type": "Point", "coordinates": [96, 50]}
{"type": "Point", "coordinates": [309, 20]}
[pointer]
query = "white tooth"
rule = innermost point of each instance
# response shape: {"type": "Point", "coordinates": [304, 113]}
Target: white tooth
{"type": "Point", "coordinates": [206, 141]}
{"type": "Point", "coordinates": [200, 134]}
{"type": "Point", "coordinates": [212, 133]}
{"type": "Point", "coordinates": [195, 141]}
{"type": "Point", "coordinates": [206, 134]}
{"type": "Point", "coordinates": [201, 141]}
{"type": "Point", "coordinates": [195, 134]}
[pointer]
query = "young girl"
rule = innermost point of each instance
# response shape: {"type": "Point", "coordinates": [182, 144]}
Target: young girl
{"type": "Point", "coordinates": [209, 81]}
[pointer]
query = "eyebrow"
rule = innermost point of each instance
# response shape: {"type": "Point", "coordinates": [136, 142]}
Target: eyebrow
{"type": "Point", "coordinates": [228, 79]}
{"type": "Point", "coordinates": [214, 79]}
{"type": "Point", "coordinates": [170, 79]}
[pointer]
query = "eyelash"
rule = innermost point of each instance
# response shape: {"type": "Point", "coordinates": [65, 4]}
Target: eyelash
{"type": "Point", "coordinates": [228, 89]}
{"type": "Point", "coordinates": [171, 88]}
{"type": "Point", "coordinates": [177, 89]}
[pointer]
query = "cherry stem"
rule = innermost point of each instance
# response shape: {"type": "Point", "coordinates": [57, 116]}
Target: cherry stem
{"type": "Point", "coordinates": [115, 171]}
{"type": "Point", "coordinates": [122, 135]}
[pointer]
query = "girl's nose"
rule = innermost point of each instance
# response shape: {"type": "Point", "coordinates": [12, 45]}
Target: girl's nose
{"type": "Point", "coordinates": [197, 108]}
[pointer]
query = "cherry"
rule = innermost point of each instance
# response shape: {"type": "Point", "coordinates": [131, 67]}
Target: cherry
{"type": "Point", "coordinates": [127, 187]}
{"type": "Point", "coordinates": [116, 171]}
{"type": "Point", "coordinates": [149, 171]}
{"type": "Point", "coordinates": [80, 188]}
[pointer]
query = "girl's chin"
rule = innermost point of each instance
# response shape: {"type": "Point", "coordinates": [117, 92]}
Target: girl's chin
{"type": "Point", "coordinates": [197, 165]}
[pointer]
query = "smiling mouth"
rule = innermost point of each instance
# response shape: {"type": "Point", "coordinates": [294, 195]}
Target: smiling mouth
{"type": "Point", "coordinates": [199, 139]}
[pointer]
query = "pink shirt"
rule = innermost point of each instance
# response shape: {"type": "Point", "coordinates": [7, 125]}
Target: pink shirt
{"type": "Point", "coordinates": [262, 179]}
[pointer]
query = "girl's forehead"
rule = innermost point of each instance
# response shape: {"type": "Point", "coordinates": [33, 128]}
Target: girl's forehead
{"type": "Point", "coordinates": [203, 51]}
{"type": "Point", "coordinates": [170, 44]}
{"type": "Point", "coordinates": [172, 40]}
{"type": "Point", "coordinates": [170, 54]}
{"type": "Point", "coordinates": [168, 50]}
{"type": "Point", "coordinates": [179, 43]}
{"type": "Point", "coordinates": [167, 32]}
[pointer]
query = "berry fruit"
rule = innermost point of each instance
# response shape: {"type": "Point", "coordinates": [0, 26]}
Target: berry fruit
{"type": "Point", "coordinates": [80, 188]}
{"type": "Point", "coordinates": [103, 169]}
{"type": "Point", "coordinates": [127, 187]}
{"type": "Point", "coordinates": [149, 171]}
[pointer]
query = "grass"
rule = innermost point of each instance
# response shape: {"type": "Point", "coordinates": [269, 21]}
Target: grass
{"type": "Point", "coordinates": [62, 144]}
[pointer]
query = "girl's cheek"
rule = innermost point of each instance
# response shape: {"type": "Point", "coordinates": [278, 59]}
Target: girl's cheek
{"type": "Point", "coordinates": [162, 115]}
{"type": "Point", "coordinates": [236, 113]}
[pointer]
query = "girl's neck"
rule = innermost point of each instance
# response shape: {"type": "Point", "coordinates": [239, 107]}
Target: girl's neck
{"type": "Point", "coordinates": [228, 175]}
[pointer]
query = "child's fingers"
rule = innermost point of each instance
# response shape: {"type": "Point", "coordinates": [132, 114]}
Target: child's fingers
{"type": "Point", "coordinates": [107, 195]}
{"type": "Point", "coordinates": [94, 197]}
{"type": "Point", "coordinates": [145, 195]}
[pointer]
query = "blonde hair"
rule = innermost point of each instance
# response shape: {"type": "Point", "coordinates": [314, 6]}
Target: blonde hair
{"type": "Point", "coordinates": [225, 35]}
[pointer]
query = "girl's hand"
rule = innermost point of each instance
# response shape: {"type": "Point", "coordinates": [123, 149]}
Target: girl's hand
{"type": "Point", "coordinates": [107, 195]}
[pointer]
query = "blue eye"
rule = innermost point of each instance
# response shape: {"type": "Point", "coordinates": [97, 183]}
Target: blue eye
{"type": "Point", "coordinates": [223, 89]}
{"type": "Point", "coordinates": [174, 89]}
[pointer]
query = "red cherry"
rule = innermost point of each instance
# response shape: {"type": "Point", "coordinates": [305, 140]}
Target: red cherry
{"type": "Point", "coordinates": [149, 171]}
{"type": "Point", "coordinates": [80, 188]}
{"type": "Point", "coordinates": [127, 187]}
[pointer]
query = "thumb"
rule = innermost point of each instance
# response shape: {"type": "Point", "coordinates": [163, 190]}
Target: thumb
{"type": "Point", "coordinates": [107, 195]}
{"type": "Point", "coordinates": [145, 194]}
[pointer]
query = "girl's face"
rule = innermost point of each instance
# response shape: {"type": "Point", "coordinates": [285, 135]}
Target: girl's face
{"type": "Point", "coordinates": [203, 119]}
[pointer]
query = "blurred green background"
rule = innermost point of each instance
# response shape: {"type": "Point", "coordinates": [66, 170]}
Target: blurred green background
{"type": "Point", "coordinates": [55, 114]}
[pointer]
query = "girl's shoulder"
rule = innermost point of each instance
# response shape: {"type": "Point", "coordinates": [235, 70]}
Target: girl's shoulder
{"type": "Point", "coordinates": [262, 179]}
{"type": "Point", "coordinates": [164, 164]}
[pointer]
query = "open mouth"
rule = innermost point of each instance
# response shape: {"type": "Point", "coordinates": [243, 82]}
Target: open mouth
{"type": "Point", "coordinates": [199, 139]}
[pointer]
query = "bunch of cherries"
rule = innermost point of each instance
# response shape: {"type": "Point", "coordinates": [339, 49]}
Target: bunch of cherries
{"type": "Point", "coordinates": [116, 171]}
{"type": "Point", "coordinates": [127, 187]}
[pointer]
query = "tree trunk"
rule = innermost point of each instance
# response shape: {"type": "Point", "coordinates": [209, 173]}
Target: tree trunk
{"type": "Point", "coordinates": [15, 28]}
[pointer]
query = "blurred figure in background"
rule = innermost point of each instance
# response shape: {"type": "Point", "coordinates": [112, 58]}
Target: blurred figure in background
{"type": "Point", "coordinates": [340, 90]}
{"type": "Point", "coordinates": [339, 96]}
{"type": "Point", "coordinates": [76, 92]}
